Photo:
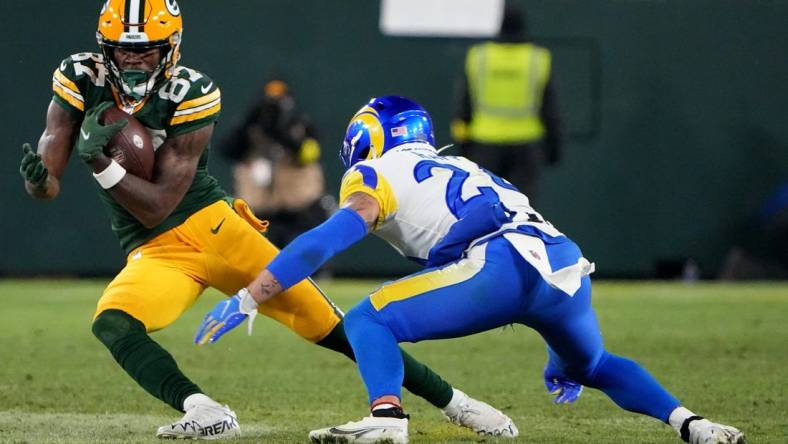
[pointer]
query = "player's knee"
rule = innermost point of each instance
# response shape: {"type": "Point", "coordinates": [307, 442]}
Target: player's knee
{"type": "Point", "coordinates": [360, 315]}
{"type": "Point", "coordinates": [113, 325]}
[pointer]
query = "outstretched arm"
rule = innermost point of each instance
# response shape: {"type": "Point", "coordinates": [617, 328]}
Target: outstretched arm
{"type": "Point", "coordinates": [293, 264]}
{"type": "Point", "coordinates": [312, 249]}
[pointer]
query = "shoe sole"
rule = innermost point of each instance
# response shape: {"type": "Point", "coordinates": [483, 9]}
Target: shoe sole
{"type": "Point", "coordinates": [343, 440]}
{"type": "Point", "coordinates": [199, 438]}
{"type": "Point", "coordinates": [196, 438]}
{"type": "Point", "coordinates": [327, 440]}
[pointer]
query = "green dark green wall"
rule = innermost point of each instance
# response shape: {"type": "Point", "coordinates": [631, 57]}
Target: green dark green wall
{"type": "Point", "coordinates": [676, 110]}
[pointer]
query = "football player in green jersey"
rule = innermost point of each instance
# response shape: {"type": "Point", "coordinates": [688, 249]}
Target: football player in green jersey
{"type": "Point", "coordinates": [180, 231]}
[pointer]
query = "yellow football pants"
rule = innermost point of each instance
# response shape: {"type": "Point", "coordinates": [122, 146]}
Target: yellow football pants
{"type": "Point", "coordinates": [218, 247]}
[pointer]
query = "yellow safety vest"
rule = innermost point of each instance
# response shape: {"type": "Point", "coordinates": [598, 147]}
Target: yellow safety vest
{"type": "Point", "coordinates": [506, 82]}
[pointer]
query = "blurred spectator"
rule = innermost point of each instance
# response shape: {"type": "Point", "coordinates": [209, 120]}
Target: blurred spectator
{"type": "Point", "coordinates": [506, 117]}
{"type": "Point", "coordinates": [764, 252]}
{"type": "Point", "coordinates": [277, 169]}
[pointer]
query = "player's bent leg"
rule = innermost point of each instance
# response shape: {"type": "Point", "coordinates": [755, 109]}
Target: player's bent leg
{"type": "Point", "coordinates": [629, 385]}
{"type": "Point", "coordinates": [159, 282]}
{"type": "Point", "coordinates": [382, 368]}
{"type": "Point", "coordinates": [142, 358]}
{"type": "Point", "coordinates": [632, 388]}
{"type": "Point", "coordinates": [415, 308]}
{"type": "Point", "coordinates": [578, 352]}
{"type": "Point", "coordinates": [156, 371]}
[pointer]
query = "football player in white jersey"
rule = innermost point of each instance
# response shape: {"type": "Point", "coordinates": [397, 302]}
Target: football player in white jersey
{"type": "Point", "coordinates": [472, 231]}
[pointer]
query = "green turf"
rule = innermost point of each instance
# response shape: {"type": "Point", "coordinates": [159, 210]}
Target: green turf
{"type": "Point", "coordinates": [722, 349]}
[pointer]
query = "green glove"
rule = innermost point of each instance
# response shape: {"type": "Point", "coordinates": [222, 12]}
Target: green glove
{"type": "Point", "coordinates": [32, 168]}
{"type": "Point", "coordinates": [93, 136]}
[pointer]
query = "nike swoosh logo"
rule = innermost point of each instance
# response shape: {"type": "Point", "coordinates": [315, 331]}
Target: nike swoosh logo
{"type": "Point", "coordinates": [215, 230]}
{"type": "Point", "coordinates": [358, 433]}
{"type": "Point", "coordinates": [85, 135]}
{"type": "Point", "coordinates": [206, 88]}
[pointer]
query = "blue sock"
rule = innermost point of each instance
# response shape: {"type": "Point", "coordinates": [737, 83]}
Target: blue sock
{"type": "Point", "coordinates": [376, 349]}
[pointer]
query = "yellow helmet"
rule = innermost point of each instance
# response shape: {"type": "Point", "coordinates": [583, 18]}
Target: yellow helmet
{"type": "Point", "coordinates": [140, 25]}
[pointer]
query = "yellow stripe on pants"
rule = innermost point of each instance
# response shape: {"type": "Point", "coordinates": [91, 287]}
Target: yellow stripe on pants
{"type": "Point", "coordinates": [422, 283]}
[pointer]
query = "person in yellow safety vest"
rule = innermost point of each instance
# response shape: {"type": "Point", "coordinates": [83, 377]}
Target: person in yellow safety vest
{"type": "Point", "coordinates": [506, 118]}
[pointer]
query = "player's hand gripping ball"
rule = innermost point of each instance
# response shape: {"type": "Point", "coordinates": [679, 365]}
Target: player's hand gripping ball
{"type": "Point", "coordinates": [132, 146]}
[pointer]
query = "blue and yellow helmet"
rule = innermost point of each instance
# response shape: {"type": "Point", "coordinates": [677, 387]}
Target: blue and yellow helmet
{"type": "Point", "coordinates": [382, 124]}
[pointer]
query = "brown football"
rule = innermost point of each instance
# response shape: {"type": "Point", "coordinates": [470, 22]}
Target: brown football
{"type": "Point", "coordinates": [132, 147]}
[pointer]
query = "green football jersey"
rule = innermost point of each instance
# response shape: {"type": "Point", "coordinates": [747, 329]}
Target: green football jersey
{"type": "Point", "coordinates": [189, 100]}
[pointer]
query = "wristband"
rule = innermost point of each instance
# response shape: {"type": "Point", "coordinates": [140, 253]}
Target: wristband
{"type": "Point", "coordinates": [111, 175]}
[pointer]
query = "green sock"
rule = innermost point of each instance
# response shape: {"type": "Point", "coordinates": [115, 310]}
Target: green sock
{"type": "Point", "coordinates": [419, 379]}
{"type": "Point", "coordinates": [142, 358]}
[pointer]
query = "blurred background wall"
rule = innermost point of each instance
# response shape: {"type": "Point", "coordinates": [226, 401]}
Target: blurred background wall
{"type": "Point", "coordinates": [676, 114]}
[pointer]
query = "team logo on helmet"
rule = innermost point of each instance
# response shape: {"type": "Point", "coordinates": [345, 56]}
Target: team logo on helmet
{"type": "Point", "coordinates": [172, 7]}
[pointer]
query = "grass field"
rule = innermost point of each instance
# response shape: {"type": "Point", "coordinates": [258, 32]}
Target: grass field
{"type": "Point", "coordinates": [722, 349]}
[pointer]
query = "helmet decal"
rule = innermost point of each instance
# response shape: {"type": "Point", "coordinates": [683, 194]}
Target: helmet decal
{"type": "Point", "coordinates": [374, 132]}
{"type": "Point", "coordinates": [172, 7]}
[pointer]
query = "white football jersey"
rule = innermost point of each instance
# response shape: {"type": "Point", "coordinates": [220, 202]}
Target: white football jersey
{"type": "Point", "coordinates": [421, 194]}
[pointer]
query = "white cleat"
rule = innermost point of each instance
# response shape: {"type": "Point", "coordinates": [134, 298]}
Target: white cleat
{"type": "Point", "coordinates": [703, 431]}
{"type": "Point", "coordinates": [203, 421]}
{"type": "Point", "coordinates": [369, 430]}
{"type": "Point", "coordinates": [479, 416]}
